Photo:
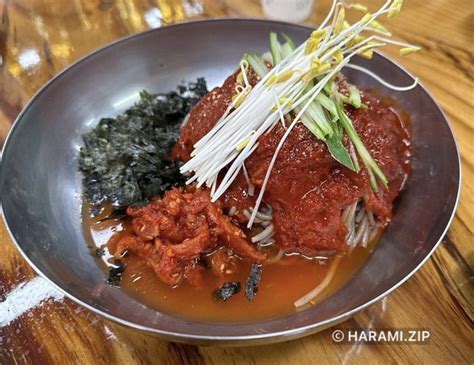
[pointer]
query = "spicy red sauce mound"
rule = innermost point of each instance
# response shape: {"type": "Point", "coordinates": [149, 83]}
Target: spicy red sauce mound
{"type": "Point", "coordinates": [172, 234]}
{"type": "Point", "coordinates": [308, 189]}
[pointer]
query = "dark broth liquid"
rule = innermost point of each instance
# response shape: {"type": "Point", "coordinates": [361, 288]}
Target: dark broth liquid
{"type": "Point", "coordinates": [281, 285]}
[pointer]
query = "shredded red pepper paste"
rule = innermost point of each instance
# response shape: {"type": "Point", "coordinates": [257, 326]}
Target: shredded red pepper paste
{"type": "Point", "coordinates": [172, 233]}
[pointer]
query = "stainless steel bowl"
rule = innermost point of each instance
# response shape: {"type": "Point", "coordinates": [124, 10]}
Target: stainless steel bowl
{"type": "Point", "coordinates": [41, 188]}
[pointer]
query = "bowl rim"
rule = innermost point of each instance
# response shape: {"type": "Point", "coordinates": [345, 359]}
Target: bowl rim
{"type": "Point", "coordinates": [251, 339]}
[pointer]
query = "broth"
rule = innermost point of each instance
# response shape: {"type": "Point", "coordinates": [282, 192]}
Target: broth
{"type": "Point", "coordinates": [281, 285]}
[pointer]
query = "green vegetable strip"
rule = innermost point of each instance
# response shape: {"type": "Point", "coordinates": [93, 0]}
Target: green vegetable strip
{"type": "Point", "coordinates": [330, 87]}
{"type": "Point", "coordinates": [353, 99]}
{"type": "Point", "coordinates": [316, 113]}
{"type": "Point", "coordinates": [333, 142]}
{"type": "Point", "coordinates": [356, 162]}
{"type": "Point", "coordinates": [339, 152]}
{"type": "Point", "coordinates": [329, 105]}
{"type": "Point", "coordinates": [354, 96]}
{"type": "Point", "coordinates": [257, 64]}
{"type": "Point", "coordinates": [370, 163]}
{"type": "Point", "coordinates": [275, 48]}
{"type": "Point", "coordinates": [289, 40]}
{"type": "Point", "coordinates": [286, 50]}
{"type": "Point", "coordinates": [311, 125]}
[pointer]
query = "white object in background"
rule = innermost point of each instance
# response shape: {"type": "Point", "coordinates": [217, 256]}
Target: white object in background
{"type": "Point", "coordinates": [288, 10]}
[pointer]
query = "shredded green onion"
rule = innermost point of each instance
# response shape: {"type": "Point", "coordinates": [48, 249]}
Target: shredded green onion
{"type": "Point", "coordinates": [289, 40]}
{"type": "Point", "coordinates": [275, 48]}
{"type": "Point", "coordinates": [317, 114]}
{"type": "Point", "coordinates": [286, 50]}
{"type": "Point", "coordinates": [312, 126]}
{"type": "Point", "coordinates": [354, 96]}
{"type": "Point", "coordinates": [257, 64]}
{"type": "Point", "coordinates": [339, 152]}
{"type": "Point", "coordinates": [372, 167]}
{"type": "Point", "coordinates": [328, 104]}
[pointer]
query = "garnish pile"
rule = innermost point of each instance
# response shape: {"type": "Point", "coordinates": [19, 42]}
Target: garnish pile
{"type": "Point", "coordinates": [300, 84]}
{"type": "Point", "coordinates": [127, 160]}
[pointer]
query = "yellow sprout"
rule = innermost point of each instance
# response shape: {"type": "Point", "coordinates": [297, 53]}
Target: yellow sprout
{"type": "Point", "coordinates": [283, 101]}
{"type": "Point", "coordinates": [368, 53]}
{"type": "Point", "coordinates": [325, 66]}
{"type": "Point", "coordinates": [311, 45]}
{"type": "Point", "coordinates": [308, 76]}
{"type": "Point", "coordinates": [241, 145]}
{"type": "Point", "coordinates": [366, 18]}
{"type": "Point", "coordinates": [376, 25]}
{"type": "Point", "coordinates": [240, 78]}
{"type": "Point", "coordinates": [315, 62]}
{"type": "Point", "coordinates": [283, 76]}
{"type": "Point", "coordinates": [338, 55]}
{"type": "Point", "coordinates": [360, 7]}
{"type": "Point", "coordinates": [339, 21]}
{"type": "Point", "coordinates": [356, 40]}
{"type": "Point", "coordinates": [314, 40]}
{"type": "Point", "coordinates": [318, 34]}
{"type": "Point", "coordinates": [238, 98]}
{"type": "Point", "coordinates": [394, 8]}
{"type": "Point", "coordinates": [244, 66]}
{"type": "Point", "coordinates": [316, 68]}
{"type": "Point", "coordinates": [409, 50]}
{"type": "Point", "coordinates": [271, 80]}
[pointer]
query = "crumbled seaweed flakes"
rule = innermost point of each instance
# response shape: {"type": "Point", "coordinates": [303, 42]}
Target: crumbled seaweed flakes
{"type": "Point", "coordinates": [115, 273]}
{"type": "Point", "coordinates": [227, 290]}
{"type": "Point", "coordinates": [251, 285]}
{"type": "Point", "coordinates": [99, 252]}
{"type": "Point", "coordinates": [127, 160]}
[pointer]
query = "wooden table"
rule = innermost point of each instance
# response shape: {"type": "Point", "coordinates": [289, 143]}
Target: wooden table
{"type": "Point", "coordinates": [38, 38]}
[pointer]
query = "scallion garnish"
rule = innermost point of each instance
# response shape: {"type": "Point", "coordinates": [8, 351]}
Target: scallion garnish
{"type": "Point", "coordinates": [372, 167]}
{"type": "Point", "coordinates": [339, 152]}
{"type": "Point", "coordinates": [275, 48]}
{"type": "Point", "coordinates": [285, 50]}
{"type": "Point", "coordinates": [257, 64]}
{"type": "Point", "coordinates": [290, 41]}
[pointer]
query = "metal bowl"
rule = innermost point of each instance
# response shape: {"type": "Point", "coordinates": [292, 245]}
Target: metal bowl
{"type": "Point", "coordinates": [41, 188]}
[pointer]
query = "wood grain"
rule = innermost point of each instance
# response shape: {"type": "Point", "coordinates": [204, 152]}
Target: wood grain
{"type": "Point", "coordinates": [38, 38]}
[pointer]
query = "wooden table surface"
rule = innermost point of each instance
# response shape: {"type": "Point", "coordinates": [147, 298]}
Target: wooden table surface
{"type": "Point", "coordinates": [38, 38]}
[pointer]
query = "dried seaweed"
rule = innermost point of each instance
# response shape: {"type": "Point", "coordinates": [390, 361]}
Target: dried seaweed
{"type": "Point", "coordinates": [115, 273]}
{"type": "Point", "coordinates": [251, 285]}
{"type": "Point", "coordinates": [227, 290]}
{"type": "Point", "coordinates": [99, 252]}
{"type": "Point", "coordinates": [127, 160]}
